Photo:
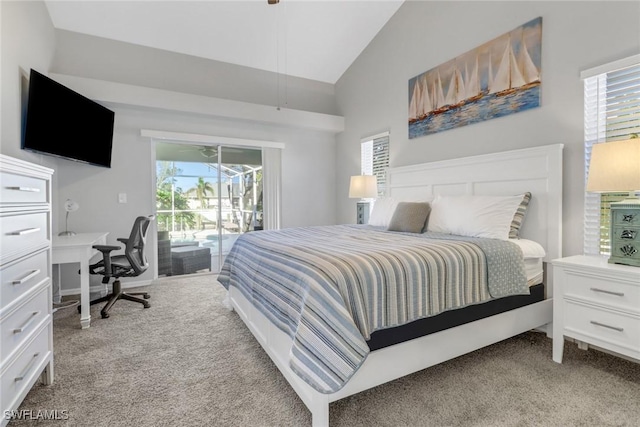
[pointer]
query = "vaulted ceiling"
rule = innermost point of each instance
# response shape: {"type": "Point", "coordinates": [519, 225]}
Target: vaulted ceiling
{"type": "Point", "coordinates": [313, 39]}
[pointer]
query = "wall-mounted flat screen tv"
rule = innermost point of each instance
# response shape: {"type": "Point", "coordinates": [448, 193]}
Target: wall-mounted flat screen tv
{"type": "Point", "coordinates": [63, 123]}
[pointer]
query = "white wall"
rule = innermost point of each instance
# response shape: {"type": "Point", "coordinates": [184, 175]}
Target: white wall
{"type": "Point", "coordinates": [29, 40]}
{"type": "Point", "coordinates": [372, 94]}
{"type": "Point", "coordinates": [307, 179]}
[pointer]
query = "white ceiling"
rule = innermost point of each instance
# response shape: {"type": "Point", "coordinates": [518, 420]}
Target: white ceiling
{"type": "Point", "coordinates": [314, 39]}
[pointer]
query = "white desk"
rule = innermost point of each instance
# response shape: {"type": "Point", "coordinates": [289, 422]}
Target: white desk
{"type": "Point", "coordinates": [78, 248]}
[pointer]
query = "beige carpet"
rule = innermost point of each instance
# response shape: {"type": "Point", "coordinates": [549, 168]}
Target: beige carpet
{"type": "Point", "coordinates": [187, 361]}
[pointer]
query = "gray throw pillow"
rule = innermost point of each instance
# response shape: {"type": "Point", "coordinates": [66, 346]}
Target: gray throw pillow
{"type": "Point", "coordinates": [410, 217]}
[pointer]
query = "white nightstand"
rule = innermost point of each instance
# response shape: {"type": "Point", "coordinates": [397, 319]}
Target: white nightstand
{"type": "Point", "coordinates": [596, 303]}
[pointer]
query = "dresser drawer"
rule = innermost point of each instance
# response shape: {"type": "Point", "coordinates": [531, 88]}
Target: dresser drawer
{"type": "Point", "coordinates": [614, 331]}
{"type": "Point", "coordinates": [623, 250]}
{"type": "Point", "coordinates": [22, 232]}
{"type": "Point", "coordinates": [21, 374]}
{"type": "Point", "coordinates": [18, 189]}
{"type": "Point", "coordinates": [622, 217]}
{"type": "Point", "coordinates": [626, 234]}
{"type": "Point", "coordinates": [19, 277]}
{"type": "Point", "coordinates": [17, 326]}
{"type": "Point", "coordinates": [607, 292]}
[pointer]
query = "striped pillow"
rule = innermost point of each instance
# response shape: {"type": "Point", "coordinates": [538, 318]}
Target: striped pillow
{"type": "Point", "coordinates": [518, 218]}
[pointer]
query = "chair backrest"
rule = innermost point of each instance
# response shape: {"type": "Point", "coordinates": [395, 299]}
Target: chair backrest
{"type": "Point", "coordinates": [134, 249]}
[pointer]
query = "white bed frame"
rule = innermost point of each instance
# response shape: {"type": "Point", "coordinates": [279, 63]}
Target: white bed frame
{"type": "Point", "coordinates": [538, 170]}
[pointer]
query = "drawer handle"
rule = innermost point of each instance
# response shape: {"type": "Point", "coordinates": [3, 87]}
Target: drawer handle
{"type": "Point", "coordinates": [26, 189]}
{"type": "Point", "coordinates": [604, 291]}
{"type": "Point", "coordinates": [26, 278]}
{"type": "Point", "coordinates": [25, 231]}
{"type": "Point", "coordinates": [26, 370]}
{"type": "Point", "coordinates": [29, 321]}
{"type": "Point", "coordinates": [615, 328]}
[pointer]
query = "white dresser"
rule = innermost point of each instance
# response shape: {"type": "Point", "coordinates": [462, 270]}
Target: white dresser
{"type": "Point", "coordinates": [26, 333]}
{"type": "Point", "coordinates": [596, 303]}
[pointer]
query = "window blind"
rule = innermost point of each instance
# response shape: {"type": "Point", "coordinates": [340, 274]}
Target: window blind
{"type": "Point", "coordinates": [375, 158]}
{"type": "Point", "coordinates": [611, 113]}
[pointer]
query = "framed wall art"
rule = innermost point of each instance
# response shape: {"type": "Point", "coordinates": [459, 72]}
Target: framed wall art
{"type": "Point", "coordinates": [498, 78]}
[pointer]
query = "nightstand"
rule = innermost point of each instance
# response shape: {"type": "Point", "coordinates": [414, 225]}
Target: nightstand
{"type": "Point", "coordinates": [596, 303]}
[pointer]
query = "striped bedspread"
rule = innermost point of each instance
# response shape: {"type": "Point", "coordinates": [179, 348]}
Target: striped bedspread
{"type": "Point", "coordinates": [330, 287]}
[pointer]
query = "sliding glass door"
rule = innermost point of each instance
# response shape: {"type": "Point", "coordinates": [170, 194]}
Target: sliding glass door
{"type": "Point", "coordinates": [206, 197]}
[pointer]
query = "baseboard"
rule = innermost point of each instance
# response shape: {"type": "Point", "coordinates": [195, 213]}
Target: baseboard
{"type": "Point", "coordinates": [101, 287]}
{"type": "Point", "coordinates": [204, 273]}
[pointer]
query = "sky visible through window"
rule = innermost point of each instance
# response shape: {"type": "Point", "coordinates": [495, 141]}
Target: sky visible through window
{"type": "Point", "coordinates": [189, 172]}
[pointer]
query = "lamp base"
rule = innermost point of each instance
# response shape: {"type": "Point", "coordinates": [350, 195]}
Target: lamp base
{"type": "Point", "coordinates": [67, 233]}
{"type": "Point", "coordinates": [625, 233]}
{"type": "Point", "coordinates": [362, 213]}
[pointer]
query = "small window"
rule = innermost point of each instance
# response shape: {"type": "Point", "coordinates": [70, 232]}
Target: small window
{"type": "Point", "coordinates": [375, 158]}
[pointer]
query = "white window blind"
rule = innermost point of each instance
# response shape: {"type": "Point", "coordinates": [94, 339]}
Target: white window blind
{"type": "Point", "coordinates": [374, 158]}
{"type": "Point", "coordinates": [611, 113]}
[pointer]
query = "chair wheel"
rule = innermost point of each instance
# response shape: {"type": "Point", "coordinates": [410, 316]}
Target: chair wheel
{"type": "Point", "coordinates": [105, 315]}
{"type": "Point", "coordinates": [79, 309]}
{"type": "Point", "coordinates": [146, 296]}
{"type": "Point", "coordinates": [147, 305]}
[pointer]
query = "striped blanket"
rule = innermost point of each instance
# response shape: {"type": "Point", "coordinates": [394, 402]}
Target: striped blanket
{"type": "Point", "coordinates": [330, 287]}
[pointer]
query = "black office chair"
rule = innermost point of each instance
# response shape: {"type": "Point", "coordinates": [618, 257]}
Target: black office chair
{"type": "Point", "coordinates": [132, 263]}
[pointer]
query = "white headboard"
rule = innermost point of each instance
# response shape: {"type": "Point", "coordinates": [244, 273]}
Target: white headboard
{"type": "Point", "coordinates": [538, 170]}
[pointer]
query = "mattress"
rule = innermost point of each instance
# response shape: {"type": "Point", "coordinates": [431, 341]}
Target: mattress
{"type": "Point", "coordinates": [534, 271]}
{"type": "Point", "coordinates": [450, 319]}
{"type": "Point", "coordinates": [533, 254]}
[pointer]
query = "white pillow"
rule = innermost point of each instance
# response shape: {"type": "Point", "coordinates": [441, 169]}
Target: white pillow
{"type": "Point", "coordinates": [383, 209]}
{"type": "Point", "coordinates": [475, 216]}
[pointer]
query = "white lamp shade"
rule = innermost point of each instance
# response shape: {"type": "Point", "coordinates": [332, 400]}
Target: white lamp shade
{"type": "Point", "coordinates": [615, 166]}
{"type": "Point", "coordinates": [363, 187]}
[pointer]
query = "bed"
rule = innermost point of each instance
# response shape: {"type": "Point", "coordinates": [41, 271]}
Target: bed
{"type": "Point", "coordinates": [350, 360]}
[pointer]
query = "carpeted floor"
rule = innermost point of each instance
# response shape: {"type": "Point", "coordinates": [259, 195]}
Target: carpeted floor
{"type": "Point", "coordinates": [187, 361]}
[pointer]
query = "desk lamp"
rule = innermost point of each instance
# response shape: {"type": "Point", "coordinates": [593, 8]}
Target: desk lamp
{"type": "Point", "coordinates": [69, 206]}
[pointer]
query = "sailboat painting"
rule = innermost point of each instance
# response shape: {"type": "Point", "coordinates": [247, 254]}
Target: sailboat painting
{"type": "Point", "coordinates": [498, 78]}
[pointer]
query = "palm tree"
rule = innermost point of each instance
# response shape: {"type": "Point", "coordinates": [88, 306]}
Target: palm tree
{"type": "Point", "coordinates": [169, 197]}
{"type": "Point", "coordinates": [201, 190]}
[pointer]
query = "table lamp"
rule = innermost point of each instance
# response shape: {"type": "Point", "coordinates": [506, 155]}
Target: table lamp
{"type": "Point", "coordinates": [69, 206]}
{"type": "Point", "coordinates": [615, 167]}
{"type": "Point", "coordinates": [363, 187]}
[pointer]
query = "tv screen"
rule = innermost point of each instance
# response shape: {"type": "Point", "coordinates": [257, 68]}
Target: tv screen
{"type": "Point", "coordinates": [63, 123]}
